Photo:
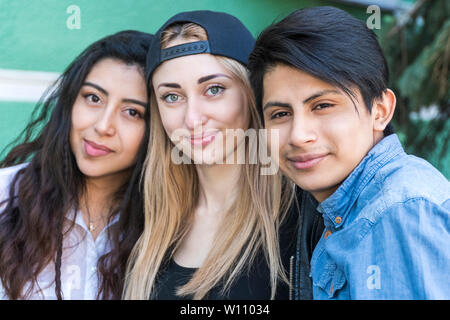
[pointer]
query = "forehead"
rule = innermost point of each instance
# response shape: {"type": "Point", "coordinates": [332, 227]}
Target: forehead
{"type": "Point", "coordinates": [114, 70]}
{"type": "Point", "coordinates": [283, 82]}
{"type": "Point", "coordinates": [188, 67]}
{"type": "Point", "coordinates": [107, 65]}
{"type": "Point", "coordinates": [283, 79]}
{"type": "Point", "coordinates": [115, 76]}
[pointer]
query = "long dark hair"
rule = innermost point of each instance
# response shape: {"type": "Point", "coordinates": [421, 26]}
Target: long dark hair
{"type": "Point", "coordinates": [43, 192]}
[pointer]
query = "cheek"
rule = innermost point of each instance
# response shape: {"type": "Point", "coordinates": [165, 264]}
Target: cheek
{"type": "Point", "coordinates": [235, 113]}
{"type": "Point", "coordinates": [171, 119]}
{"type": "Point", "coordinates": [350, 137]}
{"type": "Point", "coordinates": [132, 138]}
{"type": "Point", "coordinates": [279, 145]}
{"type": "Point", "coordinates": [278, 137]}
{"type": "Point", "coordinates": [77, 123]}
{"type": "Point", "coordinates": [81, 118]}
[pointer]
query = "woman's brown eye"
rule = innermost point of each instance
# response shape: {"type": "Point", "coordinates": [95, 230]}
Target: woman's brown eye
{"type": "Point", "coordinates": [134, 113]}
{"type": "Point", "coordinates": [92, 98]}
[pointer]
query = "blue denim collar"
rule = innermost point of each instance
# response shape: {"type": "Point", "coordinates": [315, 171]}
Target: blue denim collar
{"type": "Point", "coordinates": [338, 205]}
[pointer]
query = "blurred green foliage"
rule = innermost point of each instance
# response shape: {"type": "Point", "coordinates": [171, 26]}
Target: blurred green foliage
{"type": "Point", "coordinates": [417, 48]}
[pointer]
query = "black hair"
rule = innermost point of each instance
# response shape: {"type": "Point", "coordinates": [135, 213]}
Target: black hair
{"type": "Point", "coordinates": [43, 192]}
{"type": "Point", "coordinates": [327, 43]}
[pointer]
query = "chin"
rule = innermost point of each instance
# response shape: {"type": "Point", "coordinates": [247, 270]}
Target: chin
{"type": "Point", "coordinates": [205, 161]}
{"type": "Point", "coordinates": [91, 171]}
{"type": "Point", "coordinates": [311, 184]}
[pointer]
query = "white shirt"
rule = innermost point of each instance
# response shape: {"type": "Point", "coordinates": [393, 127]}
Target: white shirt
{"type": "Point", "coordinates": [79, 279]}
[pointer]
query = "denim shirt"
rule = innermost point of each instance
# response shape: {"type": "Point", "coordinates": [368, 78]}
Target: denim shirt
{"type": "Point", "coordinates": [387, 231]}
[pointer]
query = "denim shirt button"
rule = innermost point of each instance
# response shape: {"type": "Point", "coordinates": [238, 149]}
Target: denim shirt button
{"type": "Point", "coordinates": [338, 220]}
{"type": "Point", "coordinates": [327, 234]}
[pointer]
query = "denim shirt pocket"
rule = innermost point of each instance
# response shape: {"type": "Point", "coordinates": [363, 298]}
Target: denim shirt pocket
{"type": "Point", "coordinates": [332, 280]}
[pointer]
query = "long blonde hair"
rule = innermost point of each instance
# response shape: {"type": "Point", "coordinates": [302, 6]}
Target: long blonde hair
{"type": "Point", "coordinates": [252, 218]}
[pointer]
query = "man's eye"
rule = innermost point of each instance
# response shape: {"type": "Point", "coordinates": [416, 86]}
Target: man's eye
{"type": "Point", "coordinates": [323, 106]}
{"type": "Point", "coordinates": [279, 114]}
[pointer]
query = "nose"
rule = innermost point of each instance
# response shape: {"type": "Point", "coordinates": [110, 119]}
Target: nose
{"type": "Point", "coordinates": [195, 116]}
{"type": "Point", "coordinates": [105, 124]}
{"type": "Point", "coordinates": [302, 131]}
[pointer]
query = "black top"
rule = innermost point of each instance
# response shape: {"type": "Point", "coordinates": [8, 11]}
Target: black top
{"type": "Point", "coordinates": [252, 284]}
{"type": "Point", "coordinates": [310, 229]}
{"type": "Point", "coordinates": [299, 234]}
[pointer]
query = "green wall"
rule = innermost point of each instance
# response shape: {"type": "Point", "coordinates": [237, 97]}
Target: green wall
{"type": "Point", "coordinates": [13, 119]}
{"type": "Point", "coordinates": [34, 35]}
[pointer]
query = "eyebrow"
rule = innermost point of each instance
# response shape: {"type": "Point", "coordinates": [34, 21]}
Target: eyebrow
{"type": "Point", "coordinates": [127, 100]}
{"type": "Point", "coordinates": [276, 104]}
{"type": "Point", "coordinates": [310, 98]}
{"type": "Point", "coordinates": [145, 105]}
{"type": "Point", "coordinates": [319, 94]}
{"type": "Point", "coordinates": [96, 86]}
{"type": "Point", "coordinates": [212, 76]}
{"type": "Point", "coordinates": [199, 81]}
{"type": "Point", "coordinates": [170, 85]}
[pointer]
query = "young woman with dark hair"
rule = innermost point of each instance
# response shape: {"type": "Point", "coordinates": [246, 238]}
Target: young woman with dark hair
{"type": "Point", "coordinates": [70, 202]}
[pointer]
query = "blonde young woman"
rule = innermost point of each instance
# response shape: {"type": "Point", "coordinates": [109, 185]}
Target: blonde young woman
{"type": "Point", "coordinates": [211, 227]}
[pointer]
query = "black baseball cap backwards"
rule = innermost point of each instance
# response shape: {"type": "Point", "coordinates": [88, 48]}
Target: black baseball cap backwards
{"type": "Point", "coordinates": [227, 36]}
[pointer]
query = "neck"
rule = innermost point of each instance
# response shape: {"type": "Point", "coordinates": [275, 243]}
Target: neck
{"type": "Point", "coordinates": [321, 196]}
{"type": "Point", "coordinates": [217, 184]}
{"type": "Point", "coordinates": [99, 195]}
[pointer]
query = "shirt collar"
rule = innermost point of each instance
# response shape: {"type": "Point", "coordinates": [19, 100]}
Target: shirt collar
{"type": "Point", "coordinates": [338, 205]}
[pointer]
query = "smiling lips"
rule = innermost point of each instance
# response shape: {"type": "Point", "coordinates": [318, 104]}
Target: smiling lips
{"type": "Point", "coordinates": [95, 150]}
{"type": "Point", "coordinates": [202, 139]}
{"type": "Point", "coordinates": [306, 161]}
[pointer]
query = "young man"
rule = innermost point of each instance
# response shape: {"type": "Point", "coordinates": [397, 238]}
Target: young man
{"type": "Point", "coordinates": [321, 79]}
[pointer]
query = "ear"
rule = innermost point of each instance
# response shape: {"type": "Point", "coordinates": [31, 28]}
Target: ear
{"type": "Point", "coordinates": [383, 110]}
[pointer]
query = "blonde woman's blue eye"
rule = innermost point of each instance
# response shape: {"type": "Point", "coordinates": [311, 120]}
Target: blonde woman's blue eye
{"type": "Point", "coordinates": [215, 90]}
{"type": "Point", "coordinates": [171, 98]}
